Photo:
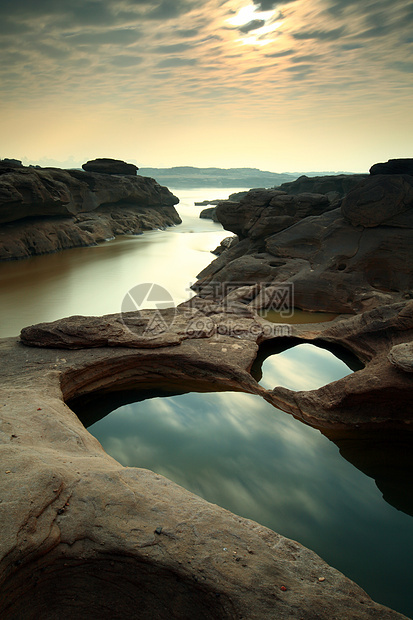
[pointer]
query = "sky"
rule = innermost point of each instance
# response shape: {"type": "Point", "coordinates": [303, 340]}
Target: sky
{"type": "Point", "coordinates": [285, 86]}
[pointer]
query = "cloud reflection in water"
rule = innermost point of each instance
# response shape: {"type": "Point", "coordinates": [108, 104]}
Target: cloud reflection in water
{"type": "Point", "coordinates": [238, 451]}
{"type": "Point", "coordinates": [303, 367]}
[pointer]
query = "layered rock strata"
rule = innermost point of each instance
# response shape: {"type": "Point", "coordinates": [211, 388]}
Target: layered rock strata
{"type": "Point", "coordinates": [341, 255]}
{"type": "Point", "coordinates": [332, 186]}
{"type": "Point", "coordinates": [48, 209]}
{"type": "Point", "coordinates": [84, 534]}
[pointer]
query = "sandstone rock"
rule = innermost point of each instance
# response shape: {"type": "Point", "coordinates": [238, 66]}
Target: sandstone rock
{"type": "Point", "coordinates": [365, 398]}
{"type": "Point", "coordinates": [105, 165]}
{"type": "Point", "coordinates": [393, 166]}
{"type": "Point", "coordinates": [338, 260]}
{"type": "Point", "coordinates": [28, 192]}
{"type": "Point", "coordinates": [79, 332]}
{"type": "Point", "coordinates": [378, 200]}
{"type": "Point", "coordinates": [45, 235]}
{"type": "Point", "coordinates": [45, 210]}
{"type": "Point", "coordinates": [375, 396]}
{"type": "Point", "coordinates": [401, 355]}
{"type": "Point", "coordinates": [332, 185]}
{"type": "Point", "coordinates": [73, 514]}
{"type": "Point", "coordinates": [265, 211]}
{"type": "Point", "coordinates": [225, 244]}
{"type": "Point", "coordinates": [9, 164]}
{"type": "Point", "coordinates": [205, 203]}
{"type": "Point", "coordinates": [209, 214]}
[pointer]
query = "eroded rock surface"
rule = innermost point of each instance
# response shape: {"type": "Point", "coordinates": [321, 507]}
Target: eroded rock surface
{"type": "Point", "coordinates": [401, 355]}
{"type": "Point", "coordinates": [346, 255]}
{"type": "Point", "coordinates": [333, 185]}
{"type": "Point", "coordinates": [84, 534]}
{"type": "Point", "coordinates": [47, 209]}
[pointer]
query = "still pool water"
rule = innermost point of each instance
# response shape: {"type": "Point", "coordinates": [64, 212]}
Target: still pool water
{"type": "Point", "coordinates": [238, 451]}
{"type": "Point", "coordinates": [303, 367]}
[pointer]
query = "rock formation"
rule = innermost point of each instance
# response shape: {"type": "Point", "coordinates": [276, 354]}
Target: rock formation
{"type": "Point", "coordinates": [344, 255]}
{"type": "Point", "coordinates": [209, 214]}
{"type": "Point", "coordinates": [48, 209]}
{"type": "Point", "coordinates": [84, 534]}
{"type": "Point", "coordinates": [110, 166]}
{"type": "Point", "coordinates": [394, 166]}
{"type": "Point", "coordinates": [333, 185]}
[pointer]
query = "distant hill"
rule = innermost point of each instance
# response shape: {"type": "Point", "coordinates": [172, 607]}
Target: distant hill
{"type": "Point", "coordinates": [186, 177]}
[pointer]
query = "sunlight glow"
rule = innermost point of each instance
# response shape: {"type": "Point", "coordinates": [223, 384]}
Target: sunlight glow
{"type": "Point", "coordinates": [258, 37]}
{"type": "Point", "coordinates": [247, 14]}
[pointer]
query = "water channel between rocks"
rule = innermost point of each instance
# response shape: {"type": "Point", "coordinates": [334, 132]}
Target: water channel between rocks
{"type": "Point", "coordinates": [235, 449]}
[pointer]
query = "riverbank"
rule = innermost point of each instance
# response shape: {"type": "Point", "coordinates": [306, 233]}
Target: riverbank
{"type": "Point", "coordinates": [45, 210]}
{"type": "Point", "coordinates": [94, 280]}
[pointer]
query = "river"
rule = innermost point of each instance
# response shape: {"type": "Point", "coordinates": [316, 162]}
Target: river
{"type": "Point", "coordinates": [234, 449]}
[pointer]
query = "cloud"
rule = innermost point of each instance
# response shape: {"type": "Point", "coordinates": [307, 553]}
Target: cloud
{"type": "Point", "coordinates": [56, 54]}
{"type": "Point", "coordinates": [125, 60]}
{"type": "Point", "coordinates": [269, 5]}
{"type": "Point", "coordinates": [372, 18]}
{"type": "Point", "coordinates": [351, 46]}
{"type": "Point", "coordinates": [189, 33]}
{"type": "Point", "coordinates": [254, 70]}
{"type": "Point", "coordinates": [9, 27]}
{"type": "Point", "coordinates": [171, 49]}
{"type": "Point", "coordinates": [252, 25]}
{"type": "Point", "coordinates": [177, 62]}
{"type": "Point", "coordinates": [306, 58]}
{"type": "Point", "coordinates": [123, 36]}
{"type": "Point", "coordinates": [168, 9]}
{"type": "Point", "coordinates": [300, 68]}
{"type": "Point", "coordinates": [321, 35]}
{"type": "Point", "coordinates": [403, 66]}
{"type": "Point", "coordinates": [280, 54]}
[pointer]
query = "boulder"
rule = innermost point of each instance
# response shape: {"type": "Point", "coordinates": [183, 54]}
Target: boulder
{"type": "Point", "coordinates": [401, 355]}
{"type": "Point", "coordinates": [264, 211]}
{"type": "Point", "coordinates": [8, 164]}
{"type": "Point", "coordinates": [105, 165]}
{"type": "Point", "coordinates": [209, 214]}
{"type": "Point", "coordinates": [393, 166]}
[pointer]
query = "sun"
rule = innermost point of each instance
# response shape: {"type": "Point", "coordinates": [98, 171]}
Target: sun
{"type": "Point", "coordinates": [257, 36]}
{"type": "Point", "coordinates": [248, 14]}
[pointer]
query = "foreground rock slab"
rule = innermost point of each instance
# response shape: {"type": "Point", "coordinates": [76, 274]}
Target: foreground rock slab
{"type": "Point", "coordinates": [83, 534]}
